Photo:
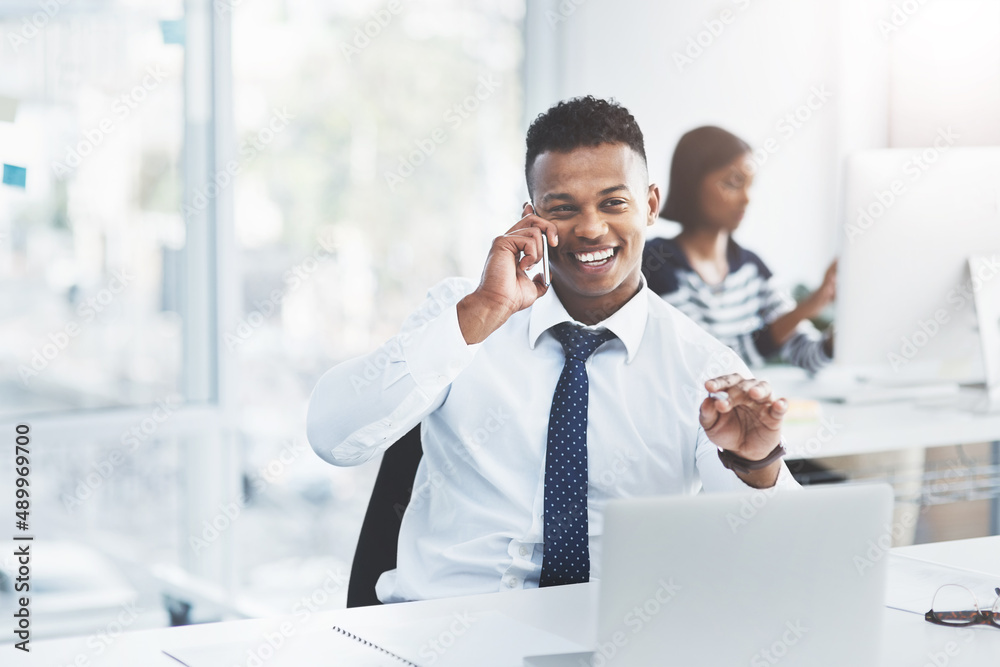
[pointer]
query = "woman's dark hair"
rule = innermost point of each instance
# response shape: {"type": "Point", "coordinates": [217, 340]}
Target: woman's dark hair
{"type": "Point", "coordinates": [581, 121]}
{"type": "Point", "coordinates": [699, 152]}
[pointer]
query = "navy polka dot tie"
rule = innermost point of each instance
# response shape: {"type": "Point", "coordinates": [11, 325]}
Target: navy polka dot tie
{"type": "Point", "coordinates": [566, 558]}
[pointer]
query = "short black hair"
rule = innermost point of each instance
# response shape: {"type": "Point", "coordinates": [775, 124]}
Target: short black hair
{"type": "Point", "coordinates": [698, 153]}
{"type": "Point", "coordinates": [581, 121]}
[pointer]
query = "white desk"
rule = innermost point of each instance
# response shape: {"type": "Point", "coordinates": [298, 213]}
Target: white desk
{"type": "Point", "coordinates": [861, 429]}
{"type": "Point", "coordinates": [567, 611]}
{"type": "Point", "coordinates": [845, 429]}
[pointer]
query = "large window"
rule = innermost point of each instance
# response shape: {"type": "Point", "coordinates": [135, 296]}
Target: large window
{"type": "Point", "coordinates": [381, 148]}
{"type": "Point", "coordinates": [92, 315]}
{"type": "Point", "coordinates": [195, 244]}
{"type": "Point", "coordinates": [91, 242]}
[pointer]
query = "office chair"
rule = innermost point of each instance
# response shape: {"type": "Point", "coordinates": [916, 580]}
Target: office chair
{"type": "Point", "coordinates": [376, 550]}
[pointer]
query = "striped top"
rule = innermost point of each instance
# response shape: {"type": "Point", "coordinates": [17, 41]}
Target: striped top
{"type": "Point", "coordinates": [738, 310]}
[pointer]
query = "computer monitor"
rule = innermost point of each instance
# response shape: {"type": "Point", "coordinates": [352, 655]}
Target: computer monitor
{"type": "Point", "coordinates": [988, 314]}
{"type": "Point", "coordinates": [913, 217]}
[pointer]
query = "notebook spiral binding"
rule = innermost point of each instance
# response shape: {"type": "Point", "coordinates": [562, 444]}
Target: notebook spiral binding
{"type": "Point", "coordinates": [364, 641]}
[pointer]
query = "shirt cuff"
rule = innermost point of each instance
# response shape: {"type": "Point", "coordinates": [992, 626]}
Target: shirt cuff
{"type": "Point", "coordinates": [436, 351]}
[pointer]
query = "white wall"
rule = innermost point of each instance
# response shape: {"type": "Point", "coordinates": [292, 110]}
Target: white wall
{"type": "Point", "coordinates": [945, 64]}
{"type": "Point", "coordinates": [760, 67]}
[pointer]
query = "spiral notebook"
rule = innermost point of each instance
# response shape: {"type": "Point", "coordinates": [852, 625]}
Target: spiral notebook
{"type": "Point", "coordinates": [484, 639]}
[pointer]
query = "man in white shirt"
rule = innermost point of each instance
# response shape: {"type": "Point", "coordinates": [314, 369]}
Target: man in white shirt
{"type": "Point", "coordinates": [482, 368]}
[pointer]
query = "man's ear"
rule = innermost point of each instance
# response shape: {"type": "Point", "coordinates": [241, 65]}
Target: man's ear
{"type": "Point", "coordinates": [654, 204]}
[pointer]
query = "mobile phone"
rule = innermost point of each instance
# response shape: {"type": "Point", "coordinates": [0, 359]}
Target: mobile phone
{"type": "Point", "coordinates": [546, 274]}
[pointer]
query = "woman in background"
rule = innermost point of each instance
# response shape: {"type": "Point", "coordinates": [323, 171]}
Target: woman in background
{"type": "Point", "coordinates": [727, 289]}
{"type": "Point", "coordinates": [713, 280]}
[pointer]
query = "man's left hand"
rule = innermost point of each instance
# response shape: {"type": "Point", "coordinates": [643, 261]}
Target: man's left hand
{"type": "Point", "coordinates": [748, 422]}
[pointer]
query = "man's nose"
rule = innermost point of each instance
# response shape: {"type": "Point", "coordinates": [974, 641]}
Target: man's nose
{"type": "Point", "coordinates": [590, 224]}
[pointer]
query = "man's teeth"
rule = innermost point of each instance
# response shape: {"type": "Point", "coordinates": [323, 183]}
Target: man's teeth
{"type": "Point", "coordinates": [595, 256]}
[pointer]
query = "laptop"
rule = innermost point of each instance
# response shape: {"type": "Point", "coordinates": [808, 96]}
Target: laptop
{"type": "Point", "coordinates": [795, 576]}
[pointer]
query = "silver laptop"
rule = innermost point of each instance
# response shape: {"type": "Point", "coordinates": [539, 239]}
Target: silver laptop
{"type": "Point", "coordinates": [795, 576]}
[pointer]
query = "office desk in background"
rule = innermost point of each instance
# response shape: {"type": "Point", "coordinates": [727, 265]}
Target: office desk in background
{"type": "Point", "coordinates": [842, 429]}
{"type": "Point", "coordinates": [567, 611]}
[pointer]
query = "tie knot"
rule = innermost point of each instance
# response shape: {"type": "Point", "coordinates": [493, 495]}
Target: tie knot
{"type": "Point", "coordinates": [580, 343]}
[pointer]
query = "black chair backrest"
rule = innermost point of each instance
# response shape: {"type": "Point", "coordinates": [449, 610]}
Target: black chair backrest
{"type": "Point", "coordinates": [376, 550]}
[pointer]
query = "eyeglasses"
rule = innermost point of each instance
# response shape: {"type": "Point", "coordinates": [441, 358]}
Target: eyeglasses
{"type": "Point", "coordinates": [956, 605]}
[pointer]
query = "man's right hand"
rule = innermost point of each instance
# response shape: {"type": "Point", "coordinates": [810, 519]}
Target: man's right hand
{"type": "Point", "coordinates": [505, 287]}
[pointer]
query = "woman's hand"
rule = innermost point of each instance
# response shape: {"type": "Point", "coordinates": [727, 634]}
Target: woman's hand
{"type": "Point", "coordinates": [825, 294]}
{"type": "Point", "coordinates": [783, 327]}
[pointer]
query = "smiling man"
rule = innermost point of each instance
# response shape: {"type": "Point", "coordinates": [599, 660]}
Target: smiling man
{"type": "Point", "coordinates": [540, 404]}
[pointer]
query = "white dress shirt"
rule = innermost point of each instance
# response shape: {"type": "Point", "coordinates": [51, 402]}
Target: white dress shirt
{"type": "Point", "coordinates": [475, 520]}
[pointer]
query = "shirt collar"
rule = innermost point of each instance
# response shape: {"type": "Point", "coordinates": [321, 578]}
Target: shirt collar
{"type": "Point", "coordinates": [628, 323]}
